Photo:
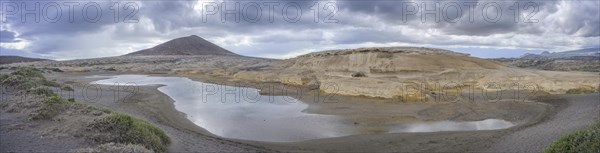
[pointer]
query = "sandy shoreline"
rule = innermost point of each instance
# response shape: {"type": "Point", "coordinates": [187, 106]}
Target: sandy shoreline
{"type": "Point", "coordinates": [156, 107]}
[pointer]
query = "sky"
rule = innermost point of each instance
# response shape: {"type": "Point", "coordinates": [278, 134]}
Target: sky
{"type": "Point", "coordinates": [63, 30]}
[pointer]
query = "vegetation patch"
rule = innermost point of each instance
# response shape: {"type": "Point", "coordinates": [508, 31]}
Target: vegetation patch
{"type": "Point", "coordinates": [584, 141]}
{"type": "Point", "coordinates": [582, 90]}
{"type": "Point", "coordinates": [122, 128]}
{"type": "Point", "coordinates": [42, 91]}
{"type": "Point", "coordinates": [24, 78]}
{"type": "Point", "coordinates": [118, 128]}
{"type": "Point", "coordinates": [50, 83]}
{"type": "Point", "coordinates": [67, 88]}
{"type": "Point", "coordinates": [110, 69]}
{"type": "Point", "coordinates": [114, 147]}
{"type": "Point", "coordinates": [28, 72]}
{"type": "Point", "coordinates": [18, 81]}
{"type": "Point", "coordinates": [359, 74]}
{"type": "Point", "coordinates": [54, 69]}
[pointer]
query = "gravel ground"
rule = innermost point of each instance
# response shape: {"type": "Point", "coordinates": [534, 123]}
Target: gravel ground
{"type": "Point", "coordinates": [19, 134]}
{"type": "Point", "coordinates": [580, 112]}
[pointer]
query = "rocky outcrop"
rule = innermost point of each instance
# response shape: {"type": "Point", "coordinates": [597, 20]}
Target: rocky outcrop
{"type": "Point", "coordinates": [388, 60]}
{"type": "Point", "coordinates": [409, 73]}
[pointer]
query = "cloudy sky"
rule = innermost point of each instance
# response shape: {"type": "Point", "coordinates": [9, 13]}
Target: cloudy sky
{"type": "Point", "coordinates": [284, 29]}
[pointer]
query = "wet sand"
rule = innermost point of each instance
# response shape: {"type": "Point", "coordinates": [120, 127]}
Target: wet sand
{"type": "Point", "coordinates": [154, 106]}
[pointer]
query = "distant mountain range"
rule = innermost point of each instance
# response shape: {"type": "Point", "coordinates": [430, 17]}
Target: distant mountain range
{"type": "Point", "coordinates": [582, 53]}
{"type": "Point", "coordinates": [19, 59]}
{"type": "Point", "coordinates": [191, 45]}
{"type": "Point", "coordinates": [575, 60]}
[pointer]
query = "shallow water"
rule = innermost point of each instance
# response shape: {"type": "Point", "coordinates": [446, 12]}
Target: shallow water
{"type": "Point", "coordinates": [242, 113]}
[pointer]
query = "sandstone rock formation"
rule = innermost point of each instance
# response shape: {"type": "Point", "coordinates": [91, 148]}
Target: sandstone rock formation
{"type": "Point", "coordinates": [409, 73]}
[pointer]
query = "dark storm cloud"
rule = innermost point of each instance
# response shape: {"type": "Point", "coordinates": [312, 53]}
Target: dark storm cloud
{"type": "Point", "coordinates": [453, 17]}
{"type": "Point", "coordinates": [570, 24]}
{"type": "Point", "coordinates": [61, 17]}
{"type": "Point", "coordinates": [370, 35]}
{"type": "Point", "coordinates": [478, 17]}
{"type": "Point", "coordinates": [7, 36]}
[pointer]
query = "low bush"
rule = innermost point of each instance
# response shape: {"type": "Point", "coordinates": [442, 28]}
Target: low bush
{"type": "Point", "coordinates": [18, 81]}
{"type": "Point", "coordinates": [55, 99]}
{"type": "Point", "coordinates": [53, 106]}
{"type": "Point", "coordinates": [3, 76]}
{"type": "Point", "coordinates": [23, 78]}
{"type": "Point", "coordinates": [114, 147]}
{"type": "Point", "coordinates": [130, 130]}
{"type": "Point", "coordinates": [359, 74]}
{"type": "Point", "coordinates": [584, 141]}
{"type": "Point", "coordinates": [55, 69]}
{"type": "Point", "coordinates": [50, 83]}
{"type": "Point", "coordinates": [67, 88]}
{"type": "Point", "coordinates": [43, 91]}
{"type": "Point", "coordinates": [28, 72]}
{"type": "Point", "coordinates": [46, 111]}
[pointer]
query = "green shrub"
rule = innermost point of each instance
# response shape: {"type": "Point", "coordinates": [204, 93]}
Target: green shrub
{"type": "Point", "coordinates": [49, 83]}
{"type": "Point", "coordinates": [131, 130]}
{"type": "Point", "coordinates": [3, 76]}
{"type": "Point", "coordinates": [53, 106]}
{"type": "Point", "coordinates": [114, 147]}
{"type": "Point", "coordinates": [43, 91]}
{"type": "Point", "coordinates": [55, 99]}
{"type": "Point", "coordinates": [67, 88]}
{"type": "Point", "coordinates": [105, 110]}
{"type": "Point", "coordinates": [55, 69]}
{"type": "Point", "coordinates": [28, 72]}
{"type": "Point", "coordinates": [584, 141]}
{"type": "Point", "coordinates": [47, 111]}
{"type": "Point", "coordinates": [19, 81]}
{"type": "Point", "coordinates": [24, 78]}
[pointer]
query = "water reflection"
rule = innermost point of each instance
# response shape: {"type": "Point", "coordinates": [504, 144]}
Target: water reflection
{"type": "Point", "coordinates": [488, 124]}
{"type": "Point", "coordinates": [242, 113]}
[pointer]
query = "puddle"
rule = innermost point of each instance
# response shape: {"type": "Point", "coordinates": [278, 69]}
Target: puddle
{"type": "Point", "coordinates": [242, 113]}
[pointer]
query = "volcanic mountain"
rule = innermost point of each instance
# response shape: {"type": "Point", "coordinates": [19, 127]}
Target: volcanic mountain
{"type": "Point", "coordinates": [190, 45]}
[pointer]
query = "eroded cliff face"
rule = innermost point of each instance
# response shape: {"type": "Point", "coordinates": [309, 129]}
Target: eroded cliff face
{"type": "Point", "coordinates": [410, 73]}
{"type": "Point", "coordinates": [388, 60]}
